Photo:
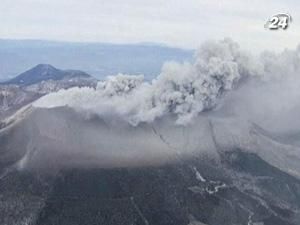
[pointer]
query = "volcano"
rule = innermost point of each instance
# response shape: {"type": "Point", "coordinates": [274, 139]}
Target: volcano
{"type": "Point", "coordinates": [60, 167]}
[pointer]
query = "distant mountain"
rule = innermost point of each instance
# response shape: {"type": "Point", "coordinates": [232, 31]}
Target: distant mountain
{"type": "Point", "coordinates": [36, 82]}
{"type": "Point", "coordinates": [43, 72]}
{"type": "Point", "coordinates": [97, 59]}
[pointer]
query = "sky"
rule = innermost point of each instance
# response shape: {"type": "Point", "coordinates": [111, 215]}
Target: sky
{"type": "Point", "coordinates": [179, 23]}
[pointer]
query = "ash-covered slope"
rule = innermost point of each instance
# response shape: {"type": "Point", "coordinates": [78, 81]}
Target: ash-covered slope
{"type": "Point", "coordinates": [61, 137]}
{"type": "Point", "coordinates": [60, 167]}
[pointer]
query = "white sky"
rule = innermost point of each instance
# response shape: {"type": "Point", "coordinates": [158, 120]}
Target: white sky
{"type": "Point", "coordinates": [181, 23]}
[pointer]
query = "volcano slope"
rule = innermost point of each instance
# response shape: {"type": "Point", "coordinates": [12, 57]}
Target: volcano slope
{"type": "Point", "coordinates": [58, 167]}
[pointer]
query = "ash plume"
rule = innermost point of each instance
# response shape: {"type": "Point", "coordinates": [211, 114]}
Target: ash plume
{"type": "Point", "coordinates": [183, 90]}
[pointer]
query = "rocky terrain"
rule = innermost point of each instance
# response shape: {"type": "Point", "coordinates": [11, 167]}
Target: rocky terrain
{"type": "Point", "coordinates": [44, 181]}
{"type": "Point", "coordinates": [244, 189]}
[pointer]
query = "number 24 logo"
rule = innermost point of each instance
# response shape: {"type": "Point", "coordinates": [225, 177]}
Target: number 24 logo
{"type": "Point", "coordinates": [279, 21]}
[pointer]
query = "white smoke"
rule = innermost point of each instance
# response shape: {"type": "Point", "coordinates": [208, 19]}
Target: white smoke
{"type": "Point", "coordinates": [183, 90]}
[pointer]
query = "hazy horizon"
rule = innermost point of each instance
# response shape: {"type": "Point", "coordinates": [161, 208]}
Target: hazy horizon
{"type": "Point", "coordinates": [97, 59]}
{"type": "Point", "coordinates": [173, 23]}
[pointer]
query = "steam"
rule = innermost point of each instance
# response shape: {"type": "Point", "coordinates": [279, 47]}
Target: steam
{"type": "Point", "coordinates": [218, 72]}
